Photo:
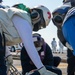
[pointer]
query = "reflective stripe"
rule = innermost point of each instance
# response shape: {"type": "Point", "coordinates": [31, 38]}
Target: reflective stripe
{"type": "Point", "coordinates": [69, 14]}
{"type": "Point", "coordinates": [69, 46]}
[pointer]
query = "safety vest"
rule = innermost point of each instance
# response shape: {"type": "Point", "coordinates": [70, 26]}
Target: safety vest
{"type": "Point", "coordinates": [7, 26]}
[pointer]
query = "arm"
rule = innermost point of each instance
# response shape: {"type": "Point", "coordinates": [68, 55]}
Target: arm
{"type": "Point", "coordinates": [61, 37]}
{"type": "Point", "coordinates": [25, 31]}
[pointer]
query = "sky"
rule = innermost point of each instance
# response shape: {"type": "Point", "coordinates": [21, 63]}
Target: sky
{"type": "Point", "coordinates": [50, 31]}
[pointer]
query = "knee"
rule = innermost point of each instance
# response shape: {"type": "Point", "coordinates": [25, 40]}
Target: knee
{"type": "Point", "coordinates": [57, 61]}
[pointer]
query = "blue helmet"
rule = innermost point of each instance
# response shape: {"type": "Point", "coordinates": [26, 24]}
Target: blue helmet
{"type": "Point", "coordinates": [59, 14]}
{"type": "Point", "coordinates": [1, 1]}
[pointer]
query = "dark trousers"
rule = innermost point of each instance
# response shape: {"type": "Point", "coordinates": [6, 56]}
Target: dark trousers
{"type": "Point", "coordinates": [71, 63]}
{"type": "Point", "coordinates": [27, 67]}
{"type": "Point", "coordinates": [57, 61]}
{"type": "Point", "coordinates": [2, 59]}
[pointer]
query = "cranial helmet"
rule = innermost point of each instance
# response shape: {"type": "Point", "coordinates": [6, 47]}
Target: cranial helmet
{"type": "Point", "coordinates": [37, 39]}
{"type": "Point", "coordinates": [41, 17]}
{"type": "Point", "coordinates": [59, 15]}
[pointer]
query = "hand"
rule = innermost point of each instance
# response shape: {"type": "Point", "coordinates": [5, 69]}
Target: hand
{"type": "Point", "coordinates": [43, 71]}
{"type": "Point", "coordinates": [9, 60]}
{"type": "Point", "coordinates": [33, 72]}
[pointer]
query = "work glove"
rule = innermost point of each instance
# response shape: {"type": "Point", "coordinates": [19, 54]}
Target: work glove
{"type": "Point", "coordinates": [9, 62]}
{"type": "Point", "coordinates": [43, 71]}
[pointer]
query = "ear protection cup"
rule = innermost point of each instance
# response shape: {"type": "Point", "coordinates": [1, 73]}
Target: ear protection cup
{"type": "Point", "coordinates": [34, 15]}
{"type": "Point", "coordinates": [57, 19]}
{"type": "Point", "coordinates": [37, 19]}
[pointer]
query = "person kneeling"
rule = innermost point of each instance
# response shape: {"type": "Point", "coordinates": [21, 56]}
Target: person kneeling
{"type": "Point", "coordinates": [46, 57]}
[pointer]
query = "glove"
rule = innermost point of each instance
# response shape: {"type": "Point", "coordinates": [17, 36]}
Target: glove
{"type": "Point", "coordinates": [43, 71]}
{"type": "Point", "coordinates": [9, 60]}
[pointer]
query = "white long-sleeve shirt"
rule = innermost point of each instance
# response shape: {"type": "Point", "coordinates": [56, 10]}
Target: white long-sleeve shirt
{"type": "Point", "coordinates": [25, 31]}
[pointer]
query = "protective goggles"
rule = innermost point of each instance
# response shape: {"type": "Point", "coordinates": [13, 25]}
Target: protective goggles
{"type": "Point", "coordinates": [58, 19]}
